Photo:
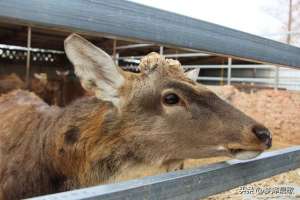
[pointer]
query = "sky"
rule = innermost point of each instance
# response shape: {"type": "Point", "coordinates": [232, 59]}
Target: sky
{"type": "Point", "coordinates": [245, 15]}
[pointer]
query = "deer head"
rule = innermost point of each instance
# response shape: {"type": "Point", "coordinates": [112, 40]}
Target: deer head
{"type": "Point", "coordinates": [163, 111]}
{"type": "Point", "coordinates": [42, 77]}
{"type": "Point", "coordinates": [62, 74]}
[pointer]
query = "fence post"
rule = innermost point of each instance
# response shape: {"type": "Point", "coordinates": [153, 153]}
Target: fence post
{"type": "Point", "coordinates": [117, 59]}
{"type": "Point", "coordinates": [276, 78]}
{"type": "Point", "coordinates": [229, 71]}
{"type": "Point", "coordinates": [161, 50]}
{"type": "Point", "coordinates": [114, 51]}
{"type": "Point", "coordinates": [27, 78]}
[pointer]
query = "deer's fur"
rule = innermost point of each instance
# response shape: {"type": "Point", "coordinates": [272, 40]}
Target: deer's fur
{"type": "Point", "coordinates": [10, 82]}
{"type": "Point", "coordinates": [47, 149]}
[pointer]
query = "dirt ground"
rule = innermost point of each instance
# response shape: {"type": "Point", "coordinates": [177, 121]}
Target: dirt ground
{"type": "Point", "coordinates": [278, 110]}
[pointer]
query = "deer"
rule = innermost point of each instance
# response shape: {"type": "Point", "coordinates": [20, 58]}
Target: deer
{"type": "Point", "coordinates": [48, 90]}
{"type": "Point", "coordinates": [156, 117]}
{"type": "Point", "coordinates": [70, 88]}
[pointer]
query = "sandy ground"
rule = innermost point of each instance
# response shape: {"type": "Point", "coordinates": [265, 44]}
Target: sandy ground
{"type": "Point", "coordinates": [280, 112]}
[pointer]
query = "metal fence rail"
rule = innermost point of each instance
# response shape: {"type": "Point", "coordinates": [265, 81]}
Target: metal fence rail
{"type": "Point", "coordinates": [193, 183]}
{"type": "Point", "coordinates": [249, 66]}
{"type": "Point", "coordinates": [278, 77]}
{"type": "Point", "coordinates": [274, 80]}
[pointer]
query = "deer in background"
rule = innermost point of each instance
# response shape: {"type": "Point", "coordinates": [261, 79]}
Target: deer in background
{"type": "Point", "coordinates": [70, 88]}
{"type": "Point", "coordinates": [60, 91]}
{"type": "Point", "coordinates": [46, 89]}
{"type": "Point", "coordinates": [10, 82]}
{"type": "Point", "coordinates": [155, 117]}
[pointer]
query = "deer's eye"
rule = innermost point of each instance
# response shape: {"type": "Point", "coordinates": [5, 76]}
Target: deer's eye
{"type": "Point", "coordinates": [171, 99]}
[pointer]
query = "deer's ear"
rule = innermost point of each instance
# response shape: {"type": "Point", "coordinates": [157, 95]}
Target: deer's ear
{"type": "Point", "coordinates": [37, 76]}
{"type": "Point", "coordinates": [66, 73]}
{"type": "Point", "coordinates": [41, 76]}
{"type": "Point", "coordinates": [58, 73]}
{"type": "Point", "coordinates": [95, 68]}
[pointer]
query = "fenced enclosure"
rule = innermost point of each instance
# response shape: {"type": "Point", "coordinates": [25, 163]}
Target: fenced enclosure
{"type": "Point", "coordinates": [123, 20]}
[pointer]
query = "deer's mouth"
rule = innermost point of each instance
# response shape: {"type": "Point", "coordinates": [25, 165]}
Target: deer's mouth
{"type": "Point", "coordinates": [242, 154]}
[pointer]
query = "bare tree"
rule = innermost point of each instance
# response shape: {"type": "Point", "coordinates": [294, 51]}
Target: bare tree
{"type": "Point", "coordinates": [289, 24]}
{"type": "Point", "coordinates": [288, 12]}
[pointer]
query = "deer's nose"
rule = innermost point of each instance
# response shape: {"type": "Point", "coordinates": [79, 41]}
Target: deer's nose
{"type": "Point", "coordinates": [263, 134]}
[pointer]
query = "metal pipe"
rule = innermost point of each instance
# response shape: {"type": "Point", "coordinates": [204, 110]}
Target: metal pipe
{"type": "Point", "coordinates": [27, 79]}
{"type": "Point", "coordinates": [276, 78]}
{"type": "Point", "coordinates": [20, 48]}
{"type": "Point", "coordinates": [161, 50]}
{"type": "Point", "coordinates": [132, 46]}
{"type": "Point", "coordinates": [290, 21]}
{"type": "Point", "coordinates": [236, 79]}
{"type": "Point", "coordinates": [232, 66]}
{"type": "Point", "coordinates": [171, 55]}
{"type": "Point", "coordinates": [229, 71]}
{"type": "Point", "coordinates": [117, 59]}
{"type": "Point", "coordinates": [114, 50]}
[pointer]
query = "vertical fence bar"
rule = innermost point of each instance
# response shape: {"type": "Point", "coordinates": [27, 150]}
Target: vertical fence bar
{"type": "Point", "coordinates": [117, 59]}
{"type": "Point", "coordinates": [229, 71]}
{"type": "Point", "coordinates": [276, 78]}
{"type": "Point", "coordinates": [114, 50]}
{"type": "Point", "coordinates": [161, 50]}
{"type": "Point", "coordinates": [27, 78]}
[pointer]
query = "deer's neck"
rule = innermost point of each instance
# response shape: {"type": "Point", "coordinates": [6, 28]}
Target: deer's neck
{"type": "Point", "coordinates": [88, 145]}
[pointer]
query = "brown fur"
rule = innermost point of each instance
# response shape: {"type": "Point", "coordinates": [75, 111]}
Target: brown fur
{"type": "Point", "coordinates": [49, 149]}
{"type": "Point", "coordinates": [48, 90]}
{"type": "Point", "coordinates": [10, 82]}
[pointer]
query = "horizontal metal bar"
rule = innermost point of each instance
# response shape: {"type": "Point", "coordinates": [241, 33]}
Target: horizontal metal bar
{"type": "Point", "coordinates": [226, 66]}
{"type": "Point", "coordinates": [132, 46]}
{"type": "Point", "coordinates": [232, 66]}
{"type": "Point", "coordinates": [179, 55]}
{"type": "Point", "coordinates": [124, 19]}
{"type": "Point", "coordinates": [233, 79]}
{"type": "Point", "coordinates": [193, 183]}
{"type": "Point", "coordinates": [183, 55]}
{"type": "Point", "coordinates": [20, 48]}
{"type": "Point", "coordinates": [130, 57]}
{"type": "Point", "coordinates": [255, 80]}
